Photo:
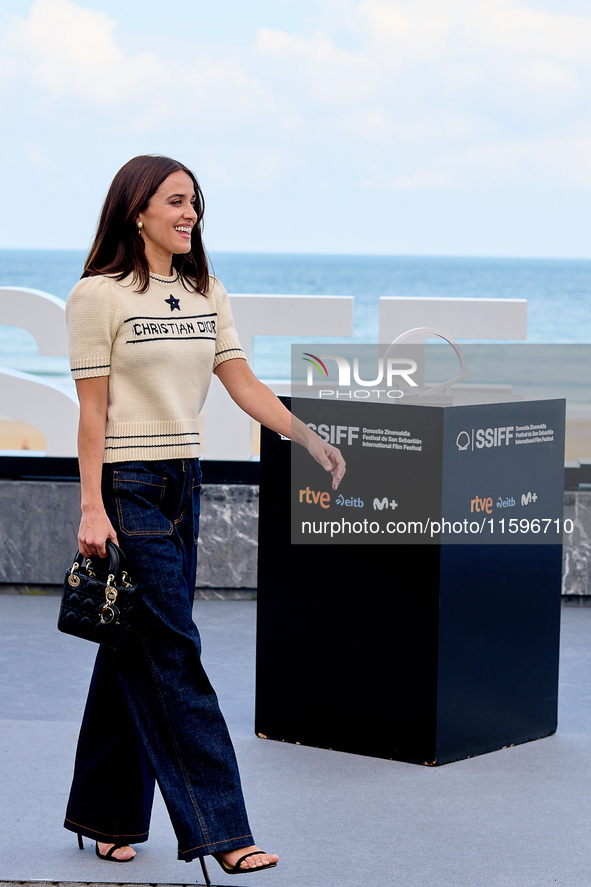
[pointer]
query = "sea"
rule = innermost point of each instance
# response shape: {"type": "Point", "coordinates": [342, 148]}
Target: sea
{"type": "Point", "coordinates": [558, 292]}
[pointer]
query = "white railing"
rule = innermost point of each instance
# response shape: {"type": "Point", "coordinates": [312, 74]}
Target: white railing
{"type": "Point", "coordinates": [48, 406]}
{"type": "Point", "coordinates": [227, 433]}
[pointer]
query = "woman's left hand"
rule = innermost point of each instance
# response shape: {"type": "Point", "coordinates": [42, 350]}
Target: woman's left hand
{"type": "Point", "coordinates": [259, 402]}
{"type": "Point", "coordinates": [329, 457]}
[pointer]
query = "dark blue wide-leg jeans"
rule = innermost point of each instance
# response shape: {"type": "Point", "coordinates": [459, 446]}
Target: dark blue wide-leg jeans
{"type": "Point", "coordinates": [151, 712]}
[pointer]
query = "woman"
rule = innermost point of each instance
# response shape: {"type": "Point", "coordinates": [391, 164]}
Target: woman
{"type": "Point", "coordinates": [147, 325]}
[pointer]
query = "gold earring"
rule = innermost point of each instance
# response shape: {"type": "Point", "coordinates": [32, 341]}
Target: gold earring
{"type": "Point", "coordinates": [139, 225]}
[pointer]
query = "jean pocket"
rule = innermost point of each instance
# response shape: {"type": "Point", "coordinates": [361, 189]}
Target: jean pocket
{"type": "Point", "coordinates": [138, 498]}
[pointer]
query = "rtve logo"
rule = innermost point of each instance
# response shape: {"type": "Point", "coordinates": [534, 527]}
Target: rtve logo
{"type": "Point", "coordinates": [477, 504]}
{"type": "Point", "coordinates": [313, 498]}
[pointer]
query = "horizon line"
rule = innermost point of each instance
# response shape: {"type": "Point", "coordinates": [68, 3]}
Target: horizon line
{"type": "Point", "coordinates": [282, 253]}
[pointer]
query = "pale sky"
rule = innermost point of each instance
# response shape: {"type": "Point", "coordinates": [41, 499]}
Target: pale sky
{"type": "Point", "coordinates": [411, 127]}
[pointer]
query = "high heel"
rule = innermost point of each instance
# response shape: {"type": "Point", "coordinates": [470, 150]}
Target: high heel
{"type": "Point", "coordinates": [236, 870]}
{"type": "Point", "coordinates": [80, 841]}
{"type": "Point", "coordinates": [205, 872]}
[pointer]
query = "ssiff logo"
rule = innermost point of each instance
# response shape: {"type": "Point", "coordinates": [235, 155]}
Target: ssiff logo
{"type": "Point", "coordinates": [482, 438]}
{"type": "Point", "coordinates": [336, 434]}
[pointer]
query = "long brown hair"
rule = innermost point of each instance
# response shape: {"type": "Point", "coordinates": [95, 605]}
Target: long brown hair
{"type": "Point", "coordinates": [118, 249]}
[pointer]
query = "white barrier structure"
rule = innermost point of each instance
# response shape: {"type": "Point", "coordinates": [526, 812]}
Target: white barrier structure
{"type": "Point", "coordinates": [460, 318]}
{"type": "Point", "coordinates": [227, 432]}
{"type": "Point", "coordinates": [48, 406]}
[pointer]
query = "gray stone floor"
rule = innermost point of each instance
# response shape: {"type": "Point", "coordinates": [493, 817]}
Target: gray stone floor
{"type": "Point", "coordinates": [515, 818]}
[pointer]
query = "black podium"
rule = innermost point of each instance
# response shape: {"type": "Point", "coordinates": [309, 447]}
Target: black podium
{"type": "Point", "coordinates": [398, 643]}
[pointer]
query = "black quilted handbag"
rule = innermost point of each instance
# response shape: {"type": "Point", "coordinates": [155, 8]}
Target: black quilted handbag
{"type": "Point", "coordinates": [98, 598]}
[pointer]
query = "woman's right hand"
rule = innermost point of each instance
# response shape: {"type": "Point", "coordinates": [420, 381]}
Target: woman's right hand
{"type": "Point", "coordinates": [95, 529]}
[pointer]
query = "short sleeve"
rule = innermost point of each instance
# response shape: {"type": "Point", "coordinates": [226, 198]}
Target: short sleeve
{"type": "Point", "coordinates": [227, 344]}
{"type": "Point", "coordinates": [92, 317]}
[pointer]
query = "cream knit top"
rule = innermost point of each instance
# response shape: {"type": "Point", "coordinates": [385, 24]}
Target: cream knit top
{"type": "Point", "coordinates": [159, 349]}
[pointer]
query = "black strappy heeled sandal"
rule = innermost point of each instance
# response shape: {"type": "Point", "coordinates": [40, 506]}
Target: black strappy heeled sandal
{"type": "Point", "coordinates": [236, 870]}
{"type": "Point", "coordinates": [109, 854]}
